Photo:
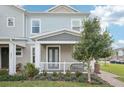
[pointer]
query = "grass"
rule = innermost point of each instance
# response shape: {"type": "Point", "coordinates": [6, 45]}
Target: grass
{"type": "Point", "coordinates": [47, 84]}
{"type": "Point", "coordinates": [117, 69]}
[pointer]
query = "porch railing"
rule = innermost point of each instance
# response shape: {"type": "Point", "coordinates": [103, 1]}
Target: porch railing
{"type": "Point", "coordinates": [62, 67]}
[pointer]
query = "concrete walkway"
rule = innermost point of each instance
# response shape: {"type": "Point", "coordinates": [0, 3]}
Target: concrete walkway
{"type": "Point", "coordinates": [111, 79]}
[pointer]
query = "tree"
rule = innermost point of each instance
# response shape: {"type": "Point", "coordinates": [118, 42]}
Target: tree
{"type": "Point", "coordinates": [93, 44]}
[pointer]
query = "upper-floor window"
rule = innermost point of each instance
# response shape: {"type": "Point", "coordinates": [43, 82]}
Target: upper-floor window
{"type": "Point", "coordinates": [10, 22]}
{"type": "Point", "coordinates": [35, 25]}
{"type": "Point", "coordinates": [76, 24]}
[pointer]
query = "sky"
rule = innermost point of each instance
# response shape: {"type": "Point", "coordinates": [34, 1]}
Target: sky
{"type": "Point", "coordinates": [112, 18]}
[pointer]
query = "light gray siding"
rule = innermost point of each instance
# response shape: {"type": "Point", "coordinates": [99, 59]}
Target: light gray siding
{"type": "Point", "coordinates": [61, 37]}
{"type": "Point", "coordinates": [65, 53]}
{"type": "Point", "coordinates": [52, 22]}
{"type": "Point", "coordinates": [49, 22]}
{"type": "Point", "coordinates": [26, 58]}
{"type": "Point", "coordinates": [11, 11]}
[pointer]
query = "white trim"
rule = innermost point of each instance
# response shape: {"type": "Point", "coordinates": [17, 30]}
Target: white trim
{"type": "Point", "coordinates": [4, 42]}
{"type": "Point", "coordinates": [47, 46]}
{"type": "Point", "coordinates": [12, 58]}
{"type": "Point", "coordinates": [13, 21]}
{"type": "Point", "coordinates": [52, 33]}
{"type": "Point", "coordinates": [13, 38]}
{"type": "Point", "coordinates": [21, 8]}
{"type": "Point", "coordinates": [23, 25]}
{"type": "Point", "coordinates": [57, 42]}
{"type": "Point", "coordinates": [76, 19]}
{"type": "Point", "coordinates": [38, 19]}
{"type": "Point", "coordinates": [31, 53]}
{"type": "Point", "coordinates": [20, 51]}
{"type": "Point", "coordinates": [0, 59]}
{"type": "Point", "coordinates": [59, 13]}
{"type": "Point", "coordinates": [37, 54]}
{"type": "Point", "coordinates": [52, 8]}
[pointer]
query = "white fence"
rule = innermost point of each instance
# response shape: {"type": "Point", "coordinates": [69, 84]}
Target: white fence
{"type": "Point", "coordinates": [62, 67]}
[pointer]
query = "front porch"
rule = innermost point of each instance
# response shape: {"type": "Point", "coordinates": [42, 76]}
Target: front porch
{"type": "Point", "coordinates": [53, 51]}
{"type": "Point", "coordinates": [8, 55]}
{"type": "Point", "coordinates": [57, 58]}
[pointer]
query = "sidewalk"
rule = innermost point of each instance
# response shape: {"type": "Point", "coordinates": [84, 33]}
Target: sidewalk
{"type": "Point", "coordinates": [111, 79]}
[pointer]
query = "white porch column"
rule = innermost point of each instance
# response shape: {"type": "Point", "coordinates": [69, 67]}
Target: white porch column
{"type": "Point", "coordinates": [12, 58]}
{"type": "Point", "coordinates": [37, 54]}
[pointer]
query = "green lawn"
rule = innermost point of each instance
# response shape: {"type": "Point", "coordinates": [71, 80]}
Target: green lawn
{"type": "Point", "coordinates": [46, 84]}
{"type": "Point", "coordinates": [117, 69]}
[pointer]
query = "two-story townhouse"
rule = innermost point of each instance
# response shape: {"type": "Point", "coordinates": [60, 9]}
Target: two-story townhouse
{"type": "Point", "coordinates": [43, 38]}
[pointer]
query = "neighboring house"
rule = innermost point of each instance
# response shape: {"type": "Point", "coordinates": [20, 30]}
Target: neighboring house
{"type": "Point", "coordinates": [43, 38]}
{"type": "Point", "coordinates": [119, 54]}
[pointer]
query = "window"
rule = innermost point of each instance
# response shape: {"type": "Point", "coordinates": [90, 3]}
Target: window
{"type": "Point", "coordinates": [35, 24]}
{"type": "Point", "coordinates": [10, 22]}
{"type": "Point", "coordinates": [19, 52]}
{"type": "Point", "coordinates": [33, 54]}
{"type": "Point", "coordinates": [76, 24]}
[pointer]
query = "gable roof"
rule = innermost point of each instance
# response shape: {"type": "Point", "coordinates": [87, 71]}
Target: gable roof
{"type": "Point", "coordinates": [62, 6]}
{"type": "Point", "coordinates": [19, 7]}
{"type": "Point", "coordinates": [57, 32]}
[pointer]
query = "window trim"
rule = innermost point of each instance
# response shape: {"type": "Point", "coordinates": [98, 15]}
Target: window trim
{"type": "Point", "coordinates": [32, 54]}
{"type": "Point", "coordinates": [38, 19]}
{"type": "Point", "coordinates": [13, 21]}
{"type": "Point", "coordinates": [21, 52]}
{"type": "Point", "coordinates": [76, 20]}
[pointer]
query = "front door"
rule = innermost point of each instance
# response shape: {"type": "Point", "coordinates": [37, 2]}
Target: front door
{"type": "Point", "coordinates": [5, 57]}
{"type": "Point", "coordinates": [53, 57]}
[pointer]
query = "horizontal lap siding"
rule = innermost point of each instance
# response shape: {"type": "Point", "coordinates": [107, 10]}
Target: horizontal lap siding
{"type": "Point", "coordinates": [11, 11]}
{"type": "Point", "coordinates": [62, 37]}
{"type": "Point", "coordinates": [66, 53]}
{"type": "Point", "coordinates": [26, 58]}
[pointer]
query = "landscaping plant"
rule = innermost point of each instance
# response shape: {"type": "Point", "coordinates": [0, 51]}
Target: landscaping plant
{"type": "Point", "coordinates": [94, 44]}
{"type": "Point", "coordinates": [30, 70]}
{"type": "Point", "coordinates": [3, 72]}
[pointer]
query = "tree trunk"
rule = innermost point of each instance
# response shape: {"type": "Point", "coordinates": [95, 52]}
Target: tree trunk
{"type": "Point", "coordinates": [105, 62]}
{"type": "Point", "coordinates": [89, 72]}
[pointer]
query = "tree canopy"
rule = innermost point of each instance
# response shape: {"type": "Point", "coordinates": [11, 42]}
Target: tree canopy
{"type": "Point", "coordinates": [94, 43]}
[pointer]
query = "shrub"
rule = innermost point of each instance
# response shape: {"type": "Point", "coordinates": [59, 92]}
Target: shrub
{"type": "Point", "coordinates": [77, 73]}
{"type": "Point", "coordinates": [43, 78]}
{"type": "Point", "coordinates": [81, 79]}
{"type": "Point", "coordinates": [96, 80]}
{"type": "Point", "coordinates": [44, 73]}
{"type": "Point", "coordinates": [68, 73]}
{"type": "Point", "coordinates": [17, 78]}
{"type": "Point", "coordinates": [73, 78]}
{"type": "Point", "coordinates": [61, 76]}
{"type": "Point", "coordinates": [12, 78]}
{"type": "Point", "coordinates": [3, 72]}
{"type": "Point", "coordinates": [30, 70]}
{"type": "Point", "coordinates": [53, 78]}
{"type": "Point", "coordinates": [37, 76]}
{"type": "Point", "coordinates": [55, 74]}
{"type": "Point", "coordinates": [67, 78]}
{"type": "Point", "coordinates": [18, 67]}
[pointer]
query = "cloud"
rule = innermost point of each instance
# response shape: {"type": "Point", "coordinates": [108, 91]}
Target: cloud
{"type": "Point", "coordinates": [118, 44]}
{"type": "Point", "coordinates": [109, 15]}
